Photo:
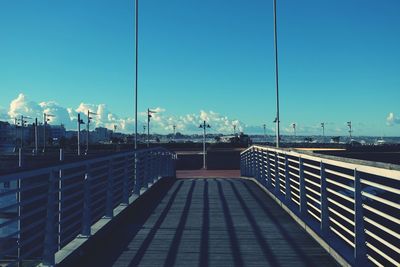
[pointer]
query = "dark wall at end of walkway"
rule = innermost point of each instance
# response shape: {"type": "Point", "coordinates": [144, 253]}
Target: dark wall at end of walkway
{"type": "Point", "coordinates": [224, 159]}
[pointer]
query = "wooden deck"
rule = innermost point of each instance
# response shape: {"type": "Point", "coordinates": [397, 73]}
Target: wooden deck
{"type": "Point", "coordinates": [208, 222]}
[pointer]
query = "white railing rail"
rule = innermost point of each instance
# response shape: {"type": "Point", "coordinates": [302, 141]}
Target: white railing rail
{"type": "Point", "coordinates": [354, 207]}
{"type": "Point", "coordinates": [42, 210]}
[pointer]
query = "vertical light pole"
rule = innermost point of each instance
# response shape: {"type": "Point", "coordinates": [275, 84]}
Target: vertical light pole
{"type": "Point", "coordinates": [294, 129]}
{"type": "Point", "coordinates": [45, 120]}
{"type": "Point", "coordinates": [204, 126]}
{"type": "Point", "coordinates": [149, 112]}
{"type": "Point", "coordinates": [265, 132]}
{"type": "Point", "coordinates": [136, 69]}
{"type": "Point", "coordinates": [22, 131]}
{"type": "Point", "coordinates": [276, 77]}
{"type": "Point", "coordinates": [323, 131]}
{"type": "Point", "coordinates": [234, 129]}
{"type": "Point", "coordinates": [16, 132]}
{"type": "Point", "coordinates": [174, 127]}
{"type": "Point", "coordinates": [88, 129]}
{"type": "Point", "coordinates": [36, 136]}
{"type": "Point", "coordinates": [23, 122]}
{"type": "Point", "coordinates": [350, 130]}
{"type": "Point", "coordinates": [80, 121]}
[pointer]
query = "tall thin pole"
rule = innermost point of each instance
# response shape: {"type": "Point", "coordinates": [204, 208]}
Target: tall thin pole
{"type": "Point", "coordinates": [36, 136]}
{"type": "Point", "coordinates": [87, 132]}
{"type": "Point", "coordinates": [136, 69]}
{"type": "Point", "coordinates": [44, 131]}
{"type": "Point", "coordinates": [204, 145]}
{"type": "Point", "coordinates": [265, 132]}
{"type": "Point", "coordinates": [22, 131]}
{"type": "Point", "coordinates": [148, 127]}
{"type": "Point", "coordinates": [276, 76]}
{"type": "Point", "coordinates": [79, 134]}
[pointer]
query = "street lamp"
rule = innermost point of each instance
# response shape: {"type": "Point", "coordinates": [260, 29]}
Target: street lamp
{"type": "Point", "coordinates": [278, 137]}
{"type": "Point", "coordinates": [36, 136]}
{"type": "Point", "coordinates": [350, 130]}
{"type": "Point", "coordinates": [80, 121]}
{"type": "Point", "coordinates": [149, 112]}
{"type": "Point", "coordinates": [45, 120]}
{"type": "Point", "coordinates": [22, 122]}
{"type": "Point", "coordinates": [234, 129]}
{"type": "Point", "coordinates": [294, 129]}
{"type": "Point", "coordinates": [276, 77]}
{"type": "Point", "coordinates": [204, 126]}
{"type": "Point", "coordinates": [323, 131]}
{"type": "Point", "coordinates": [88, 129]}
{"type": "Point", "coordinates": [174, 128]}
{"type": "Point", "coordinates": [265, 132]}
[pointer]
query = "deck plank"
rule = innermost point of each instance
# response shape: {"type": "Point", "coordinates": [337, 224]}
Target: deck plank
{"type": "Point", "coordinates": [216, 222]}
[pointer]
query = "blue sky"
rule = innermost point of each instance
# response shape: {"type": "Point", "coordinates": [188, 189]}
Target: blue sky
{"type": "Point", "coordinates": [339, 60]}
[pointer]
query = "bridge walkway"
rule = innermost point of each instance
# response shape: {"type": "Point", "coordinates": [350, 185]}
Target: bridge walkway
{"type": "Point", "coordinates": [206, 222]}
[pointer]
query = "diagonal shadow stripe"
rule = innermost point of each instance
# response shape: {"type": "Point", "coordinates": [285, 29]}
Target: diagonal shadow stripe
{"type": "Point", "coordinates": [265, 247]}
{"type": "Point", "coordinates": [238, 261]}
{"type": "Point", "coordinates": [173, 249]}
{"type": "Point", "coordinates": [146, 243]}
{"type": "Point", "coordinates": [205, 228]}
{"type": "Point", "coordinates": [291, 242]}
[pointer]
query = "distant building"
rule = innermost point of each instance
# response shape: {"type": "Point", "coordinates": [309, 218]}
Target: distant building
{"type": "Point", "coordinates": [57, 131]}
{"type": "Point", "coordinates": [7, 136]}
{"type": "Point", "coordinates": [101, 135]}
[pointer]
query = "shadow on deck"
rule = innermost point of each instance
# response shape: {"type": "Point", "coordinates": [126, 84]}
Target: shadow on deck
{"type": "Point", "coordinates": [204, 222]}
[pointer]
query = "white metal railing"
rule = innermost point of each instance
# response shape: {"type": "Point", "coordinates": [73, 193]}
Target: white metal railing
{"type": "Point", "coordinates": [353, 207]}
{"type": "Point", "coordinates": [42, 210]}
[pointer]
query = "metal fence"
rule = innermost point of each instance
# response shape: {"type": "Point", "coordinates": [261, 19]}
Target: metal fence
{"type": "Point", "coordinates": [353, 207]}
{"type": "Point", "coordinates": [42, 210]}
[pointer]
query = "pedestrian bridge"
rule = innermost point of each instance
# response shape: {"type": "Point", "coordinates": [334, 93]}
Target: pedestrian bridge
{"type": "Point", "coordinates": [285, 208]}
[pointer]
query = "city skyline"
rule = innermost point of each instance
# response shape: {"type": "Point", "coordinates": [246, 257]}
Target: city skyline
{"type": "Point", "coordinates": [162, 121]}
{"type": "Point", "coordinates": [193, 55]}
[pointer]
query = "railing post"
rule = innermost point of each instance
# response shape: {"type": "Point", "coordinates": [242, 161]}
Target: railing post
{"type": "Point", "coordinates": [60, 195]}
{"type": "Point", "coordinates": [50, 246]}
{"type": "Point", "coordinates": [86, 220]}
{"type": "Point", "coordinates": [110, 190]}
{"type": "Point", "coordinates": [241, 165]}
{"type": "Point", "coordinates": [303, 193]}
{"type": "Point", "coordinates": [125, 189]}
{"type": "Point", "coordinates": [324, 202]}
{"type": "Point", "coordinates": [287, 181]}
{"type": "Point", "coordinates": [264, 168]}
{"type": "Point", "coordinates": [277, 178]}
{"type": "Point", "coordinates": [137, 183]}
{"type": "Point", "coordinates": [360, 249]}
{"type": "Point", "coordinates": [253, 162]}
{"type": "Point", "coordinates": [20, 158]}
{"type": "Point", "coordinates": [257, 165]}
{"type": "Point", "coordinates": [248, 160]}
{"type": "Point", "coordinates": [269, 182]}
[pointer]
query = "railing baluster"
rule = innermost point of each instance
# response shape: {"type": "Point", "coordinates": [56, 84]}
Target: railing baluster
{"type": "Point", "coordinates": [50, 246]}
{"type": "Point", "coordinates": [359, 230]}
{"type": "Point", "coordinates": [110, 190]}
{"type": "Point", "coordinates": [324, 201]}
{"type": "Point", "coordinates": [269, 171]}
{"type": "Point", "coordinates": [287, 180]}
{"type": "Point", "coordinates": [86, 217]}
{"type": "Point", "coordinates": [303, 193]}
{"type": "Point", "coordinates": [125, 189]}
{"type": "Point", "coordinates": [277, 179]}
{"type": "Point", "coordinates": [137, 184]}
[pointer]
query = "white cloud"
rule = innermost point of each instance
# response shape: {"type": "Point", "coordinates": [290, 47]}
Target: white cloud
{"type": "Point", "coordinates": [161, 121]}
{"type": "Point", "coordinates": [392, 119]}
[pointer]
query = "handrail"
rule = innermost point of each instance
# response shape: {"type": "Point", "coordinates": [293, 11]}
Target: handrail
{"type": "Point", "coordinates": [49, 207]}
{"type": "Point", "coordinates": [353, 207]}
